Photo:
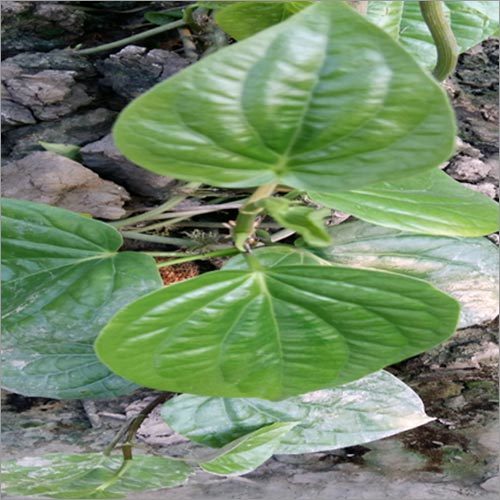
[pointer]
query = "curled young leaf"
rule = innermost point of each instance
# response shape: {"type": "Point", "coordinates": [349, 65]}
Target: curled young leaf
{"type": "Point", "coordinates": [274, 332]}
{"type": "Point", "coordinates": [307, 221]}
{"type": "Point", "coordinates": [62, 281]}
{"type": "Point", "coordinates": [249, 451]}
{"type": "Point", "coordinates": [308, 103]}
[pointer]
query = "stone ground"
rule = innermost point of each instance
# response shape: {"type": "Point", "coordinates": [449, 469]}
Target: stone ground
{"type": "Point", "coordinates": [53, 96]}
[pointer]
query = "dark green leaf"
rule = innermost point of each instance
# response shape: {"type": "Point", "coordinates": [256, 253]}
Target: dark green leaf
{"type": "Point", "coordinates": [243, 19]}
{"type": "Point", "coordinates": [161, 18]}
{"type": "Point", "coordinates": [247, 453]}
{"type": "Point", "coordinates": [466, 268]}
{"type": "Point", "coordinates": [62, 281]}
{"type": "Point", "coordinates": [371, 408]}
{"type": "Point", "coordinates": [274, 332]}
{"type": "Point", "coordinates": [308, 103]}
{"type": "Point", "coordinates": [430, 203]}
{"type": "Point", "coordinates": [306, 221]}
{"type": "Point", "coordinates": [90, 475]}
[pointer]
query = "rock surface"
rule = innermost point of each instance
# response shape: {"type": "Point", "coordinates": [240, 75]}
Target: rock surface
{"type": "Point", "coordinates": [77, 129]}
{"type": "Point", "coordinates": [104, 158]}
{"type": "Point", "coordinates": [53, 179]}
{"type": "Point", "coordinates": [134, 70]}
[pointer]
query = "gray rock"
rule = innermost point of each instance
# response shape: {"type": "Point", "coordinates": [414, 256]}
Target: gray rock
{"type": "Point", "coordinates": [492, 484]}
{"type": "Point", "coordinates": [49, 94]}
{"type": "Point", "coordinates": [14, 115]}
{"type": "Point", "coordinates": [53, 179]}
{"type": "Point", "coordinates": [133, 70]}
{"type": "Point", "coordinates": [465, 168]}
{"type": "Point", "coordinates": [39, 26]}
{"type": "Point", "coordinates": [486, 188]}
{"type": "Point", "coordinates": [78, 129]}
{"type": "Point", "coordinates": [104, 158]}
{"type": "Point", "coordinates": [63, 60]}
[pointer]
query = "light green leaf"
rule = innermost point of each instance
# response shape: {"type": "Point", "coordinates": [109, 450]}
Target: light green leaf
{"type": "Point", "coordinates": [466, 268]}
{"type": "Point", "coordinates": [471, 22]}
{"type": "Point", "coordinates": [386, 15]}
{"type": "Point", "coordinates": [371, 408]}
{"type": "Point", "coordinates": [274, 332]}
{"type": "Point", "coordinates": [247, 453]}
{"type": "Point", "coordinates": [243, 19]}
{"type": "Point", "coordinates": [277, 255]}
{"type": "Point", "coordinates": [90, 475]}
{"type": "Point", "coordinates": [429, 203]}
{"type": "Point", "coordinates": [62, 281]}
{"type": "Point", "coordinates": [306, 221]}
{"type": "Point", "coordinates": [68, 150]}
{"type": "Point", "coordinates": [308, 103]}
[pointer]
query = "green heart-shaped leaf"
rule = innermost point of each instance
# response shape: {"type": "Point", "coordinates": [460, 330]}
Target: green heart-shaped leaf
{"type": "Point", "coordinates": [90, 475]}
{"type": "Point", "coordinates": [386, 15]}
{"type": "Point", "coordinates": [308, 103]}
{"type": "Point", "coordinates": [274, 332]}
{"type": "Point", "coordinates": [243, 19]}
{"type": "Point", "coordinates": [247, 453]}
{"type": "Point", "coordinates": [63, 280]}
{"type": "Point", "coordinates": [466, 268]}
{"type": "Point", "coordinates": [429, 203]}
{"type": "Point", "coordinates": [306, 221]}
{"type": "Point", "coordinates": [371, 408]}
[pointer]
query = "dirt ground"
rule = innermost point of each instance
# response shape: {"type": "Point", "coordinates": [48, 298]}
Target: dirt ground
{"type": "Point", "coordinates": [454, 457]}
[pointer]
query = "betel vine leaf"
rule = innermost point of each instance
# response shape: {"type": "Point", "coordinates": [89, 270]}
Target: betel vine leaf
{"type": "Point", "coordinates": [312, 326]}
{"type": "Point", "coordinates": [62, 281]}
{"type": "Point", "coordinates": [90, 475]}
{"type": "Point", "coordinates": [428, 203]}
{"type": "Point", "coordinates": [308, 103]}
{"type": "Point", "coordinates": [466, 268]}
{"type": "Point", "coordinates": [374, 407]}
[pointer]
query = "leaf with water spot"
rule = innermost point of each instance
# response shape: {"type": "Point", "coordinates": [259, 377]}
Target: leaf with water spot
{"type": "Point", "coordinates": [371, 408]}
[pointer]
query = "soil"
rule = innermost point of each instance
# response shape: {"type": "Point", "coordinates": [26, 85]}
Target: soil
{"type": "Point", "coordinates": [454, 457]}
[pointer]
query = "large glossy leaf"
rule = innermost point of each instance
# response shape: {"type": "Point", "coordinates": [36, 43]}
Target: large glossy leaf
{"type": "Point", "coordinates": [471, 22]}
{"type": "Point", "coordinates": [307, 221]}
{"type": "Point", "coordinates": [430, 203]}
{"type": "Point", "coordinates": [371, 408]}
{"type": "Point", "coordinates": [247, 453]}
{"type": "Point", "coordinates": [63, 280]}
{"type": "Point", "coordinates": [90, 475]}
{"type": "Point", "coordinates": [308, 103]}
{"type": "Point", "coordinates": [466, 268]}
{"type": "Point", "coordinates": [244, 19]}
{"type": "Point", "coordinates": [274, 332]}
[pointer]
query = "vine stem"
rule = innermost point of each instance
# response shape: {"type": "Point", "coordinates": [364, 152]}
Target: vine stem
{"type": "Point", "coordinates": [186, 191]}
{"type": "Point", "coordinates": [131, 39]}
{"type": "Point", "coordinates": [444, 39]}
{"type": "Point", "coordinates": [131, 427]}
{"type": "Point", "coordinates": [245, 222]}
{"type": "Point", "coordinates": [166, 240]}
{"type": "Point", "coordinates": [226, 252]}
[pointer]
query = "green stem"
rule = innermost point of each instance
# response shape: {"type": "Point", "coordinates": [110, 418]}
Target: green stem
{"type": "Point", "coordinates": [444, 39]}
{"type": "Point", "coordinates": [217, 253]}
{"type": "Point", "coordinates": [131, 39]}
{"type": "Point", "coordinates": [245, 222]}
{"type": "Point", "coordinates": [119, 473]}
{"type": "Point", "coordinates": [179, 242]}
{"type": "Point", "coordinates": [186, 191]}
